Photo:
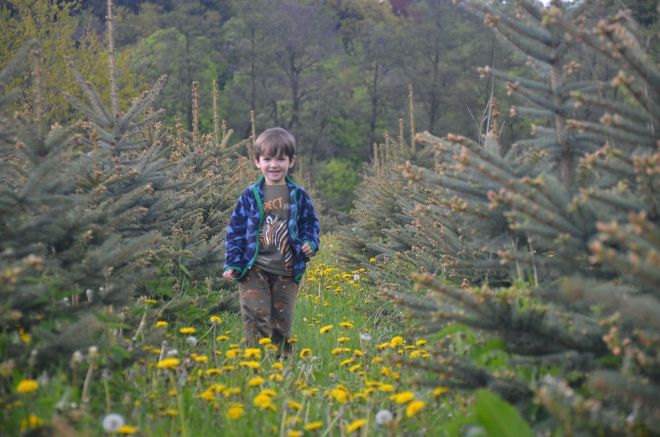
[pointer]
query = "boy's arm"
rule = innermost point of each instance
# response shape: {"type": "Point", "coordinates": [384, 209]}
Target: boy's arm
{"type": "Point", "coordinates": [308, 224]}
{"type": "Point", "coordinates": [235, 238]}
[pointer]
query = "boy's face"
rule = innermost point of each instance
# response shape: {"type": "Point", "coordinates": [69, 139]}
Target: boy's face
{"type": "Point", "coordinates": [274, 168]}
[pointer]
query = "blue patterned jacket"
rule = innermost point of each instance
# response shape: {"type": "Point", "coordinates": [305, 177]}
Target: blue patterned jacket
{"type": "Point", "coordinates": [242, 240]}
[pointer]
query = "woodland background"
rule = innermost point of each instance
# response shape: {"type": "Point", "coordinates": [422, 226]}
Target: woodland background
{"type": "Point", "coordinates": [335, 73]}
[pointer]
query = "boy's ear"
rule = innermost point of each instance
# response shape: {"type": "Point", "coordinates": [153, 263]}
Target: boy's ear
{"type": "Point", "coordinates": [256, 161]}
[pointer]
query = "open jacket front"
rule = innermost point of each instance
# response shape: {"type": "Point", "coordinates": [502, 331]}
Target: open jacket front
{"type": "Point", "coordinates": [242, 239]}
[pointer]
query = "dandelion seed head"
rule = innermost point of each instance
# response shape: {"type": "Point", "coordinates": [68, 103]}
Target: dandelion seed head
{"type": "Point", "coordinates": [112, 422]}
{"type": "Point", "coordinates": [172, 353]}
{"type": "Point", "coordinates": [383, 417]}
{"type": "Point", "coordinates": [191, 340]}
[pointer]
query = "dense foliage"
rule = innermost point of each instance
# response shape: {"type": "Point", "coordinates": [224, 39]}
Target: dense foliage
{"type": "Point", "coordinates": [547, 246]}
{"type": "Point", "coordinates": [96, 213]}
{"type": "Point", "coordinates": [338, 85]}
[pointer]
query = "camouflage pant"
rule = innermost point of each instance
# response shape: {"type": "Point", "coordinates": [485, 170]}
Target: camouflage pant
{"type": "Point", "coordinates": [267, 302]}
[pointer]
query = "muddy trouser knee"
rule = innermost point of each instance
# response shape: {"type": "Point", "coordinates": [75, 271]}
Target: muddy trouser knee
{"type": "Point", "coordinates": [267, 303]}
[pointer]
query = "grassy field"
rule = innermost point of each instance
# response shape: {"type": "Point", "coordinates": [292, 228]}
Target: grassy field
{"type": "Point", "coordinates": [340, 380]}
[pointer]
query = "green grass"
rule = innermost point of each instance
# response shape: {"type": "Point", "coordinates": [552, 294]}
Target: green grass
{"type": "Point", "coordinates": [345, 375]}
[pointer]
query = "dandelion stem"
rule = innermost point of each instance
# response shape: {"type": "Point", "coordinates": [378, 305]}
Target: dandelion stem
{"type": "Point", "coordinates": [179, 401]}
{"type": "Point", "coordinates": [108, 400]}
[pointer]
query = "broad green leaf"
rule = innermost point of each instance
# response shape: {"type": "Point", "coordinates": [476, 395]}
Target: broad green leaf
{"type": "Point", "coordinates": [499, 418]}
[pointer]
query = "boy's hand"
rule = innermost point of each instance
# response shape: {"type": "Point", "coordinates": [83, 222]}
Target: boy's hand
{"type": "Point", "coordinates": [307, 250]}
{"type": "Point", "coordinates": [229, 274]}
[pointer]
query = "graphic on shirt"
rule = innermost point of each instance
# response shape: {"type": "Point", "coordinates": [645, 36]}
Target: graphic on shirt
{"type": "Point", "coordinates": [274, 236]}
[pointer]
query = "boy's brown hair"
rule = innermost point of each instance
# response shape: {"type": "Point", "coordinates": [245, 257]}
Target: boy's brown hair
{"type": "Point", "coordinates": [274, 142]}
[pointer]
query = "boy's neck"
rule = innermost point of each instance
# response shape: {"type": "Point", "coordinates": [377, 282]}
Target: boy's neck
{"type": "Point", "coordinates": [282, 182]}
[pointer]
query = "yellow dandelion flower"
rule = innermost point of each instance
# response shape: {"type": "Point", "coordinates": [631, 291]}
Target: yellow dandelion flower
{"type": "Point", "coordinates": [425, 354]}
{"type": "Point", "coordinates": [256, 381]}
{"type": "Point", "coordinates": [217, 388]}
{"type": "Point", "coordinates": [27, 386]}
{"type": "Point", "coordinates": [396, 341]}
{"type": "Point", "coordinates": [127, 429]}
{"type": "Point", "coordinates": [306, 352]}
{"type": "Point", "coordinates": [264, 402]}
{"type": "Point", "coordinates": [294, 433]}
{"type": "Point", "coordinates": [371, 383]}
{"type": "Point", "coordinates": [222, 338]}
{"type": "Point", "coordinates": [311, 426]}
{"type": "Point", "coordinates": [151, 301]}
{"type": "Point", "coordinates": [377, 360]}
{"type": "Point", "coordinates": [232, 353]}
{"type": "Point", "coordinates": [31, 422]}
{"type": "Point", "coordinates": [386, 371]}
{"type": "Point", "coordinates": [207, 395]}
{"type": "Point", "coordinates": [403, 398]}
{"type": "Point", "coordinates": [213, 371]}
{"type": "Point", "coordinates": [438, 391]}
{"type": "Point", "coordinates": [25, 337]}
{"type": "Point", "coordinates": [265, 340]}
{"type": "Point", "coordinates": [277, 366]}
{"type": "Point", "coordinates": [414, 407]}
{"type": "Point", "coordinates": [170, 412]}
{"type": "Point", "coordinates": [232, 391]}
{"type": "Point", "coordinates": [277, 377]}
{"type": "Point", "coordinates": [228, 367]}
{"type": "Point", "coordinates": [268, 392]}
{"type": "Point", "coordinates": [340, 394]}
{"type": "Point", "coordinates": [384, 345]}
{"type": "Point", "coordinates": [187, 330]}
{"type": "Point", "coordinates": [355, 425]}
{"type": "Point", "coordinates": [309, 392]}
{"type": "Point", "coordinates": [201, 358]}
{"type": "Point", "coordinates": [343, 340]}
{"type": "Point", "coordinates": [252, 352]}
{"type": "Point", "coordinates": [296, 406]}
{"type": "Point", "coordinates": [358, 352]}
{"type": "Point", "coordinates": [414, 354]}
{"type": "Point", "coordinates": [346, 362]}
{"type": "Point", "coordinates": [346, 325]}
{"type": "Point", "coordinates": [387, 388]}
{"type": "Point", "coordinates": [171, 393]}
{"type": "Point", "coordinates": [292, 340]}
{"type": "Point", "coordinates": [235, 411]}
{"type": "Point", "coordinates": [372, 260]}
{"type": "Point", "coordinates": [250, 364]}
{"type": "Point", "coordinates": [168, 363]}
{"type": "Point", "coordinates": [325, 329]}
{"type": "Point", "coordinates": [216, 320]}
{"type": "Point", "coordinates": [354, 367]}
{"type": "Point", "coordinates": [293, 420]}
{"type": "Point", "coordinates": [161, 324]}
{"type": "Point", "coordinates": [421, 342]}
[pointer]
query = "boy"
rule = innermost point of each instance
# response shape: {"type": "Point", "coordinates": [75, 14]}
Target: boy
{"type": "Point", "coordinates": [271, 235]}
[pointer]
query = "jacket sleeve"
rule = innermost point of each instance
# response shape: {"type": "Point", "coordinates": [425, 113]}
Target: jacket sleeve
{"type": "Point", "coordinates": [308, 223]}
{"type": "Point", "coordinates": [235, 239]}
